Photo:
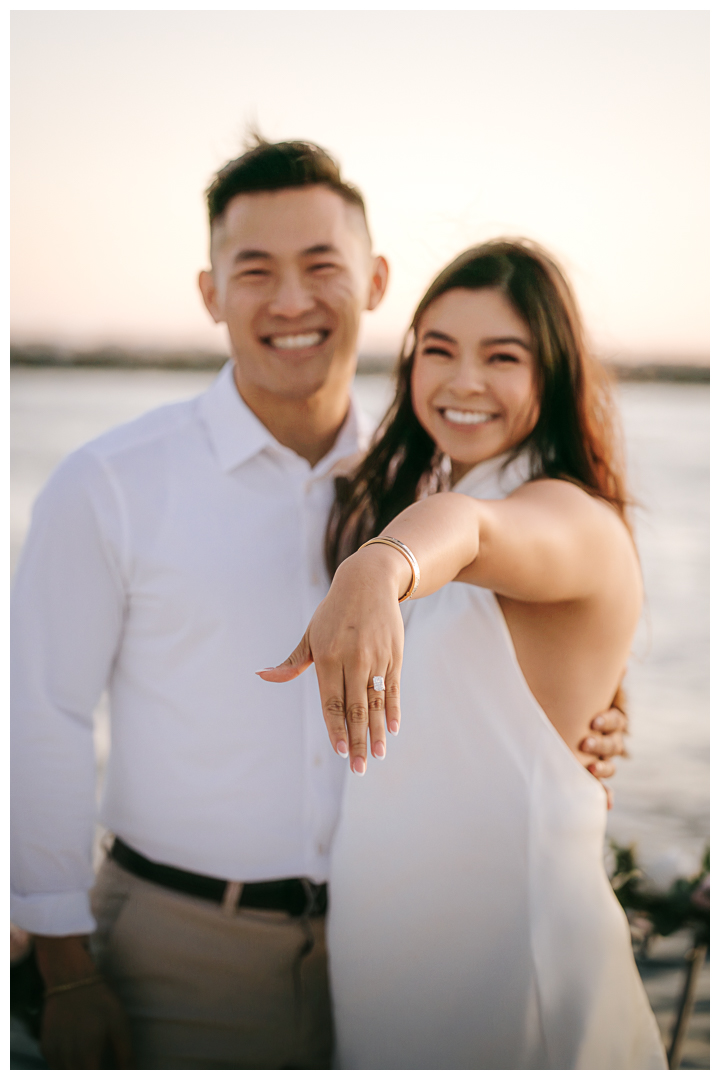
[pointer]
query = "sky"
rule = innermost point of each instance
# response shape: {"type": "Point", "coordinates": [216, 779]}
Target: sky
{"type": "Point", "coordinates": [585, 130]}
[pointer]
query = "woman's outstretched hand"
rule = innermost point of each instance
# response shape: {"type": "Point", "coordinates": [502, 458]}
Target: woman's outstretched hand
{"type": "Point", "coordinates": [356, 635]}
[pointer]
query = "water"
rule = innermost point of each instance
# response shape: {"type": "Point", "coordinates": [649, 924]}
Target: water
{"type": "Point", "coordinates": [662, 791]}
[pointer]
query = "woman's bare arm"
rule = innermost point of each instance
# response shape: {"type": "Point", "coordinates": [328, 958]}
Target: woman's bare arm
{"type": "Point", "coordinates": [548, 542]}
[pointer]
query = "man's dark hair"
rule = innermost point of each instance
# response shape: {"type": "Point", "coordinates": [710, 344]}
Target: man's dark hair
{"type": "Point", "coordinates": [273, 166]}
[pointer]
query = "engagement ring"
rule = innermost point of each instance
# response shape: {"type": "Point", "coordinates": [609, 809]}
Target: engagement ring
{"type": "Point", "coordinates": [378, 682]}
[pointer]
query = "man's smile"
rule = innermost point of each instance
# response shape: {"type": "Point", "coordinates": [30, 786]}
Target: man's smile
{"type": "Point", "coordinates": [306, 340]}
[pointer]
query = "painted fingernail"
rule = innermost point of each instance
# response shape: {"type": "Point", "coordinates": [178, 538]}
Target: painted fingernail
{"type": "Point", "coordinates": [590, 743]}
{"type": "Point", "coordinates": [260, 670]}
{"type": "Point", "coordinates": [342, 749]}
{"type": "Point", "coordinates": [393, 727]}
{"type": "Point", "coordinates": [358, 766]}
{"type": "Point", "coordinates": [379, 750]}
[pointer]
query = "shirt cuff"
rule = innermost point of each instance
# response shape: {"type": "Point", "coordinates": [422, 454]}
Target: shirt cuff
{"type": "Point", "coordinates": [54, 914]}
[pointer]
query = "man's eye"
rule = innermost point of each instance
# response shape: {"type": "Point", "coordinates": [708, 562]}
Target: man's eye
{"type": "Point", "coordinates": [323, 266]}
{"type": "Point", "coordinates": [255, 272]}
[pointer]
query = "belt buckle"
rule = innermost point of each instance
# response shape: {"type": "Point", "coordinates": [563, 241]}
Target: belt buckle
{"type": "Point", "coordinates": [311, 894]}
{"type": "Point", "coordinates": [231, 896]}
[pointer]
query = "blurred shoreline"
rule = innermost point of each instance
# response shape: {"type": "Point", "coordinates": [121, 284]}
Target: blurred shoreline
{"type": "Point", "coordinates": [625, 369]}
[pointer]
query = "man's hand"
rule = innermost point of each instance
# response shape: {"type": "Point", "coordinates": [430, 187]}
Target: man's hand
{"type": "Point", "coordinates": [605, 742]}
{"type": "Point", "coordinates": [84, 1028]}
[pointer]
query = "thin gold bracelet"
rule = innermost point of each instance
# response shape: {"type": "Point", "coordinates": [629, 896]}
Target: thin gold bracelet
{"type": "Point", "coordinates": [404, 550]}
{"type": "Point", "coordinates": [64, 987]}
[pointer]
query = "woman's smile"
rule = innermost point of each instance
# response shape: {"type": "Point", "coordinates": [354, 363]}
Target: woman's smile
{"type": "Point", "coordinates": [465, 417]}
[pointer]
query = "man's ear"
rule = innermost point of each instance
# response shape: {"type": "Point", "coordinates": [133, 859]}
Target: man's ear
{"type": "Point", "coordinates": [378, 281]}
{"type": "Point", "coordinates": [206, 281]}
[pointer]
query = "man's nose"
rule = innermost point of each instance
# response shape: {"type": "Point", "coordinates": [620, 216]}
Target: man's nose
{"type": "Point", "coordinates": [292, 297]}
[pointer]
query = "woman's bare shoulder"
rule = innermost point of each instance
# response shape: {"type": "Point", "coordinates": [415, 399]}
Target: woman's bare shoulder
{"type": "Point", "coordinates": [570, 499]}
{"type": "Point", "coordinates": [600, 536]}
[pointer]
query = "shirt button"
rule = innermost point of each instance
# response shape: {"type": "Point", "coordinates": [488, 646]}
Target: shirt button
{"type": "Point", "coordinates": [321, 849]}
{"type": "Point", "coordinates": [317, 760]}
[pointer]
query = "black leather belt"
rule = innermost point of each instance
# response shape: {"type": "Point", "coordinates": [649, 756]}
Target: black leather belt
{"type": "Point", "coordinates": [296, 896]}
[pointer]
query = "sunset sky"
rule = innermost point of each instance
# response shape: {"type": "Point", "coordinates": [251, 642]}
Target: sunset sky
{"type": "Point", "coordinates": [587, 131]}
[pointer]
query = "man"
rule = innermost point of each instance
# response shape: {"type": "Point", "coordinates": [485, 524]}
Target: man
{"type": "Point", "coordinates": [168, 561]}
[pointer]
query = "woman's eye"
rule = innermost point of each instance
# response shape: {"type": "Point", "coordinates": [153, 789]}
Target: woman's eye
{"type": "Point", "coordinates": [505, 357]}
{"type": "Point", "coordinates": [437, 350]}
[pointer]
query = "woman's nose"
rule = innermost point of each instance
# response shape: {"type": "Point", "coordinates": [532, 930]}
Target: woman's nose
{"type": "Point", "coordinates": [468, 376]}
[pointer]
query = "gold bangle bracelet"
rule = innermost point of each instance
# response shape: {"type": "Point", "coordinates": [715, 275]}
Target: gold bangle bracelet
{"type": "Point", "coordinates": [64, 987]}
{"type": "Point", "coordinates": [404, 550]}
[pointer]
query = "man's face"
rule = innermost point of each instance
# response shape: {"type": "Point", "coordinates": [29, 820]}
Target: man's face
{"type": "Point", "coordinates": [292, 272]}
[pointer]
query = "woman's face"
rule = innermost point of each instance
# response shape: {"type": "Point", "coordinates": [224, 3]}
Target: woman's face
{"type": "Point", "coordinates": [474, 379]}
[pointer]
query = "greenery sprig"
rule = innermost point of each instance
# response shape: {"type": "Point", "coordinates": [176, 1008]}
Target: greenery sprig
{"type": "Point", "coordinates": [686, 904]}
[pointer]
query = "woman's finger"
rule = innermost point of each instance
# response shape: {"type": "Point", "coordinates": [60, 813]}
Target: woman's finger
{"type": "Point", "coordinates": [356, 715]}
{"type": "Point", "coordinates": [297, 662]}
{"type": "Point", "coordinates": [376, 716]}
{"type": "Point", "coordinates": [332, 700]}
{"type": "Point", "coordinates": [392, 698]}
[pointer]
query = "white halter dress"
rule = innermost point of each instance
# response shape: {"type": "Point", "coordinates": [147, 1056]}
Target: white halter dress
{"type": "Point", "coordinates": [472, 924]}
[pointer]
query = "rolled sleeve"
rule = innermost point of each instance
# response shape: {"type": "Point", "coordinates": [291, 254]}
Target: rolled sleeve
{"type": "Point", "coordinates": [67, 616]}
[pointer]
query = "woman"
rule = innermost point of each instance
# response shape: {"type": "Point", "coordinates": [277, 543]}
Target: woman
{"type": "Point", "coordinates": [472, 923]}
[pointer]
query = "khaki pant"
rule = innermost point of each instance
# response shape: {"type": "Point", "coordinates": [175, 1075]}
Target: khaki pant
{"type": "Point", "coordinates": [206, 989]}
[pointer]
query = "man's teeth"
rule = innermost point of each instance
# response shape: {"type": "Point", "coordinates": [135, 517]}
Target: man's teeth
{"type": "Point", "coordinates": [297, 341]}
{"type": "Point", "coordinates": [455, 416]}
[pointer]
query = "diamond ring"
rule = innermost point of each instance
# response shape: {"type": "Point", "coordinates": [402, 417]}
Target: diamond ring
{"type": "Point", "coordinates": [378, 682]}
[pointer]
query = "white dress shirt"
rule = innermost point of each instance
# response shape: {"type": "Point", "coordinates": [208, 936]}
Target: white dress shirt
{"type": "Point", "coordinates": [168, 560]}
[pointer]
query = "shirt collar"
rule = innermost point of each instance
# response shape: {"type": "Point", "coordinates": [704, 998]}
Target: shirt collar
{"type": "Point", "coordinates": [497, 477]}
{"type": "Point", "coordinates": [238, 435]}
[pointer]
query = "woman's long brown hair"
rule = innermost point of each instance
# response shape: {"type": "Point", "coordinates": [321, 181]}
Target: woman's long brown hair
{"type": "Point", "coordinates": [576, 436]}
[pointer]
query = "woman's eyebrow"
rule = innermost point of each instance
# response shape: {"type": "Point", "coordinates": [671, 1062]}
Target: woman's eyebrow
{"type": "Point", "coordinates": [506, 341]}
{"type": "Point", "coordinates": [439, 335]}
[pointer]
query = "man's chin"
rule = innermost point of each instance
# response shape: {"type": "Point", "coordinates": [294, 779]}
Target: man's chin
{"type": "Point", "coordinates": [294, 381]}
{"type": "Point", "coordinates": [296, 394]}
